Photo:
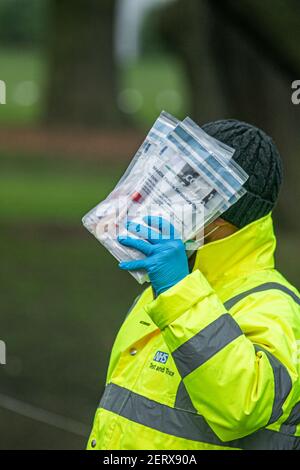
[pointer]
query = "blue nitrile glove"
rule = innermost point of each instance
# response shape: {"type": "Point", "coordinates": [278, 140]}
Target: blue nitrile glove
{"type": "Point", "coordinates": [166, 261]}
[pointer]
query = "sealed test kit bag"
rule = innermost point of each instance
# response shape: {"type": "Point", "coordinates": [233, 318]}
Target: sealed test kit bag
{"type": "Point", "coordinates": [164, 124]}
{"type": "Point", "coordinates": [179, 173]}
{"type": "Point", "coordinates": [101, 220]}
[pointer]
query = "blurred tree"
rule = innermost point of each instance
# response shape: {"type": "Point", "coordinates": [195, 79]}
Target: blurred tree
{"type": "Point", "coordinates": [82, 88]}
{"type": "Point", "coordinates": [150, 37]}
{"type": "Point", "coordinates": [265, 25]}
{"type": "Point", "coordinates": [222, 42]}
{"type": "Point", "coordinates": [23, 23]}
{"type": "Point", "coordinates": [186, 27]}
{"type": "Point", "coordinates": [255, 55]}
{"type": "Point", "coordinates": [240, 59]}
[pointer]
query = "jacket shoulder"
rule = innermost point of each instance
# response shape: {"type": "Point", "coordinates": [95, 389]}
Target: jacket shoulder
{"type": "Point", "coordinates": [266, 288]}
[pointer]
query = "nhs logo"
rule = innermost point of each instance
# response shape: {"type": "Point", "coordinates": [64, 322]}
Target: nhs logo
{"type": "Point", "coordinates": [161, 356]}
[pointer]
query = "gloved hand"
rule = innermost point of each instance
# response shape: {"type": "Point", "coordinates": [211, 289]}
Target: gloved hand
{"type": "Point", "coordinates": [166, 261]}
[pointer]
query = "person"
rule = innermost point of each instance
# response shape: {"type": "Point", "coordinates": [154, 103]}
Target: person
{"type": "Point", "coordinates": [208, 356]}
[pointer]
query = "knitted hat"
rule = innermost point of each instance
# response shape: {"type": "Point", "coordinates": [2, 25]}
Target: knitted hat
{"type": "Point", "coordinates": [257, 154]}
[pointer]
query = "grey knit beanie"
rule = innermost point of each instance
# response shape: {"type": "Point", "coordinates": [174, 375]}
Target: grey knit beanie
{"type": "Point", "coordinates": [257, 154]}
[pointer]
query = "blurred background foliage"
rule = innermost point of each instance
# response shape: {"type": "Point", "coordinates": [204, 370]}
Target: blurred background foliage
{"type": "Point", "coordinates": [84, 81]}
{"type": "Point", "coordinates": [24, 23]}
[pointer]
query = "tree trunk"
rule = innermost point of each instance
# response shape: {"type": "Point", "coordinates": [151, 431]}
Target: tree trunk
{"type": "Point", "coordinates": [82, 87]}
{"type": "Point", "coordinates": [186, 27]}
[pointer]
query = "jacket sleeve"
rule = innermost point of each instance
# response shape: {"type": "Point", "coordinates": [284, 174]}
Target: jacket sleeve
{"type": "Point", "coordinates": [238, 371]}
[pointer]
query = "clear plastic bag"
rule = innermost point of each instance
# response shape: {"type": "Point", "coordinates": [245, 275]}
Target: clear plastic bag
{"type": "Point", "coordinates": [179, 173]}
{"type": "Point", "coordinates": [135, 171]}
{"type": "Point", "coordinates": [163, 125]}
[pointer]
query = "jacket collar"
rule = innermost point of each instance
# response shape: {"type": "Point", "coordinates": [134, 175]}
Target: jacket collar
{"type": "Point", "coordinates": [249, 249]}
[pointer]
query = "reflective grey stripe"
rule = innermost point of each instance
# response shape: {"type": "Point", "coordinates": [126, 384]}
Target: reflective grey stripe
{"type": "Point", "coordinates": [282, 379]}
{"type": "Point", "coordinates": [205, 344]}
{"type": "Point", "coordinates": [282, 384]}
{"type": "Point", "coordinates": [290, 425]}
{"type": "Point", "coordinates": [183, 400]}
{"type": "Point", "coordinates": [267, 286]}
{"type": "Point", "coordinates": [157, 416]}
{"type": "Point", "coordinates": [184, 424]}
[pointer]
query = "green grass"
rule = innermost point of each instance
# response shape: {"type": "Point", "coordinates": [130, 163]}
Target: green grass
{"type": "Point", "coordinates": [59, 311]}
{"type": "Point", "coordinates": [55, 319]}
{"type": "Point", "coordinates": [159, 81]}
{"type": "Point", "coordinates": [52, 190]}
{"type": "Point", "coordinates": [59, 316]}
{"type": "Point", "coordinates": [17, 67]}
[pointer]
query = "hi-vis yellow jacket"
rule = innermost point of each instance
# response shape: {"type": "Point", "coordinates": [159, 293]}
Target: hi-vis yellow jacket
{"type": "Point", "coordinates": [213, 362]}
